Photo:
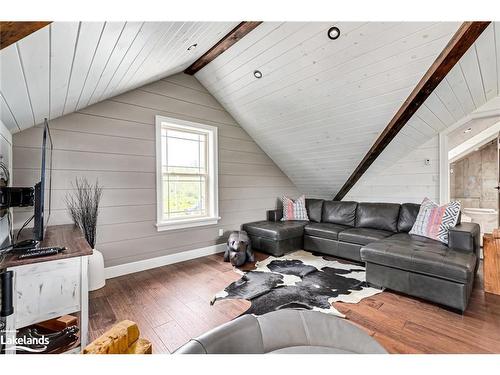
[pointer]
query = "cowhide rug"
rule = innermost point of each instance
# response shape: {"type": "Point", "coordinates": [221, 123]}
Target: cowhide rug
{"type": "Point", "coordinates": [299, 280]}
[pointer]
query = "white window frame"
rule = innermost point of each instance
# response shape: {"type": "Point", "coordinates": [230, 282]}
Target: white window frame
{"type": "Point", "coordinates": [212, 184]}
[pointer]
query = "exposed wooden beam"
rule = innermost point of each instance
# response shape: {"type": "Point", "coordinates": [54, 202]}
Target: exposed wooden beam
{"type": "Point", "coordinates": [222, 45]}
{"type": "Point", "coordinates": [454, 50]}
{"type": "Point", "coordinates": [11, 32]}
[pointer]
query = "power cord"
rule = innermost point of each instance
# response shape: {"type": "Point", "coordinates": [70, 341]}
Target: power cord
{"type": "Point", "coordinates": [5, 181]}
{"type": "Point", "coordinates": [23, 226]}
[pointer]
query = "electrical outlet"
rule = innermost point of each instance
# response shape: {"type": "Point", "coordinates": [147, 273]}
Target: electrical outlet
{"type": "Point", "coordinates": [221, 232]}
{"type": "Point", "coordinates": [427, 161]}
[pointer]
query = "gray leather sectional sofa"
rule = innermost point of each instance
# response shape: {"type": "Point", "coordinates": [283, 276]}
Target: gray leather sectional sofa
{"type": "Point", "coordinates": [377, 234]}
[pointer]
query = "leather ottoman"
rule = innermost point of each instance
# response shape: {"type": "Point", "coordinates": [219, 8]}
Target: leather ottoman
{"type": "Point", "coordinates": [276, 237]}
{"type": "Point", "coordinates": [421, 267]}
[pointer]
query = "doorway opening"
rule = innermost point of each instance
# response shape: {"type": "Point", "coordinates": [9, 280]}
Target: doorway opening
{"type": "Point", "coordinates": [471, 170]}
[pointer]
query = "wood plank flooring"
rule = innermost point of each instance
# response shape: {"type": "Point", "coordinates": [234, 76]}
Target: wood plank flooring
{"type": "Point", "coordinates": [171, 305]}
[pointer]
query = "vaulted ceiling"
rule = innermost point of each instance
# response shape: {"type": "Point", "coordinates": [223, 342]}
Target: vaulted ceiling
{"type": "Point", "coordinates": [67, 66]}
{"type": "Point", "coordinates": [471, 86]}
{"type": "Point", "coordinates": [321, 103]}
{"type": "Point", "coordinates": [317, 109]}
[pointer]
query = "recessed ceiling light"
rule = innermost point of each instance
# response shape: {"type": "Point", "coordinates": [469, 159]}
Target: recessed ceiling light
{"type": "Point", "coordinates": [257, 74]}
{"type": "Point", "coordinates": [468, 130]}
{"type": "Point", "coordinates": [333, 32]}
{"type": "Point", "coordinates": [192, 47]}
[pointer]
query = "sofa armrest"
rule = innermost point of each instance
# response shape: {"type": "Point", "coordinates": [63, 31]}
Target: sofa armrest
{"type": "Point", "coordinates": [274, 215]}
{"type": "Point", "coordinates": [465, 236]}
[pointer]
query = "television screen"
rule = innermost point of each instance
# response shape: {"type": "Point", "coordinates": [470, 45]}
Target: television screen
{"type": "Point", "coordinates": [43, 188]}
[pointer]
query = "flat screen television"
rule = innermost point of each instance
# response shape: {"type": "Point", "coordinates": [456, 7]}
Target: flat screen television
{"type": "Point", "coordinates": [43, 189]}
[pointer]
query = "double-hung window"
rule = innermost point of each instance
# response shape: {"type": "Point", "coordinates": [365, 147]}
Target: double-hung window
{"type": "Point", "coordinates": [186, 174]}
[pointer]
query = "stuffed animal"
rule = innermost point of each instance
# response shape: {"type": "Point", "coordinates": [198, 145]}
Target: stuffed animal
{"type": "Point", "coordinates": [239, 249]}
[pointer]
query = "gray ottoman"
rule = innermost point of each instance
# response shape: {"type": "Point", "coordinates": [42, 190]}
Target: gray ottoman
{"type": "Point", "coordinates": [276, 237]}
{"type": "Point", "coordinates": [285, 332]}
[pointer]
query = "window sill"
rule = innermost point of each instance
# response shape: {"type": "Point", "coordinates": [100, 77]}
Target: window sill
{"type": "Point", "coordinates": [186, 223]}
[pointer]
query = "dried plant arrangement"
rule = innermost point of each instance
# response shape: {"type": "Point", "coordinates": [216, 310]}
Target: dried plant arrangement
{"type": "Point", "coordinates": [83, 206]}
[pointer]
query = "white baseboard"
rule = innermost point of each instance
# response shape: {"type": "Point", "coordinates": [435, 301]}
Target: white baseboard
{"type": "Point", "coordinates": [146, 264]}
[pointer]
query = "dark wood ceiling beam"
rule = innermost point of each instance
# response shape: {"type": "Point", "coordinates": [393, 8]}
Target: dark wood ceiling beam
{"type": "Point", "coordinates": [451, 54]}
{"type": "Point", "coordinates": [222, 45]}
{"type": "Point", "coordinates": [11, 32]}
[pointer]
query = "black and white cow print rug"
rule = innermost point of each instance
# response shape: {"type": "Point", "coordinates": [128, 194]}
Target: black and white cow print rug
{"type": "Point", "coordinates": [299, 280]}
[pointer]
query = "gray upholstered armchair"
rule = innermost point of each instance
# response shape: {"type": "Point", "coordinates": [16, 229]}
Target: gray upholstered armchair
{"type": "Point", "coordinates": [285, 332]}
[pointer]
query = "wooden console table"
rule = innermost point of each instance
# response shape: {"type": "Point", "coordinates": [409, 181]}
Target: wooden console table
{"type": "Point", "coordinates": [49, 287]}
{"type": "Point", "coordinates": [491, 262]}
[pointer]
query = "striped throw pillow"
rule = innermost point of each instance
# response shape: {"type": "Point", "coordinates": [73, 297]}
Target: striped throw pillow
{"type": "Point", "coordinates": [294, 210]}
{"type": "Point", "coordinates": [434, 221]}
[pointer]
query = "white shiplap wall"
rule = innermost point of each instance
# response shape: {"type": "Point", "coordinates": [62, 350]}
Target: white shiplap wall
{"type": "Point", "coordinates": [114, 142]}
{"type": "Point", "coordinates": [321, 104]}
{"type": "Point", "coordinates": [6, 158]}
{"type": "Point", "coordinates": [67, 66]}
{"type": "Point", "coordinates": [470, 87]}
{"type": "Point", "coordinates": [407, 180]}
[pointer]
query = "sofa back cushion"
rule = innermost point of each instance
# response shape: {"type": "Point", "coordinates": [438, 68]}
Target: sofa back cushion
{"type": "Point", "coordinates": [339, 212]}
{"type": "Point", "coordinates": [314, 209]}
{"type": "Point", "coordinates": [378, 216]}
{"type": "Point", "coordinates": [407, 216]}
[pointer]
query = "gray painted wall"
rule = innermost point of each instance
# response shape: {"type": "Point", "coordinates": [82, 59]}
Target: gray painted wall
{"type": "Point", "coordinates": [114, 142]}
{"type": "Point", "coordinates": [6, 157]}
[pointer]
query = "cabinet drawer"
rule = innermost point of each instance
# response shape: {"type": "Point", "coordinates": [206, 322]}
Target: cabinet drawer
{"type": "Point", "coordinates": [46, 290]}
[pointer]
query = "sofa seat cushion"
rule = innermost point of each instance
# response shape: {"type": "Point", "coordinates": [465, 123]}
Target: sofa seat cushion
{"type": "Point", "coordinates": [281, 230]}
{"type": "Point", "coordinates": [421, 255]}
{"type": "Point", "coordinates": [325, 230]}
{"type": "Point", "coordinates": [363, 236]}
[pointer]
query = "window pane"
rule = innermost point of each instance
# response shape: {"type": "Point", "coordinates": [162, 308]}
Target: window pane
{"type": "Point", "coordinates": [185, 155]}
{"type": "Point", "coordinates": [184, 196]}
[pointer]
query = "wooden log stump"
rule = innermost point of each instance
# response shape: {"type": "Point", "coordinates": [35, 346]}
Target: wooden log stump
{"type": "Point", "coordinates": [491, 262]}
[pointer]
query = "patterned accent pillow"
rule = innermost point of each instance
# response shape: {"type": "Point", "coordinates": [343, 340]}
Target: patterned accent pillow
{"type": "Point", "coordinates": [294, 210]}
{"type": "Point", "coordinates": [434, 221]}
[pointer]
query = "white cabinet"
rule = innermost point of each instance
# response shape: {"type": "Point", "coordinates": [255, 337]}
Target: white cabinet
{"type": "Point", "coordinates": [47, 290]}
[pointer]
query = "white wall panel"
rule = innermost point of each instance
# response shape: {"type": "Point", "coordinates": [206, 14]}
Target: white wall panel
{"type": "Point", "coordinates": [34, 56]}
{"type": "Point", "coordinates": [321, 103]}
{"type": "Point", "coordinates": [14, 90]}
{"type": "Point", "coordinates": [62, 49]}
{"type": "Point", "coordinates": [467, 87]}
{"type": "Point", "coordinates": [89, 36]}
{"type": "Point", "coordinates": [66, 66]}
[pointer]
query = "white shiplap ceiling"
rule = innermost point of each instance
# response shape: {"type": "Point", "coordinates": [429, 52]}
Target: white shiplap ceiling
{"type": "Point", "coordinates": [472, 86]}
{"type": "Point", "coordinates": [67, 66]}
{"type": "Point", "coordinates": [317, 110]}
{"type": "Point", "coordinates": [321, 103]}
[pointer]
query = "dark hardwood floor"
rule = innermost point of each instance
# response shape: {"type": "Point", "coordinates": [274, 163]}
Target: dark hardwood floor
{"type": "Point", "coordinates": [171, 305]}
